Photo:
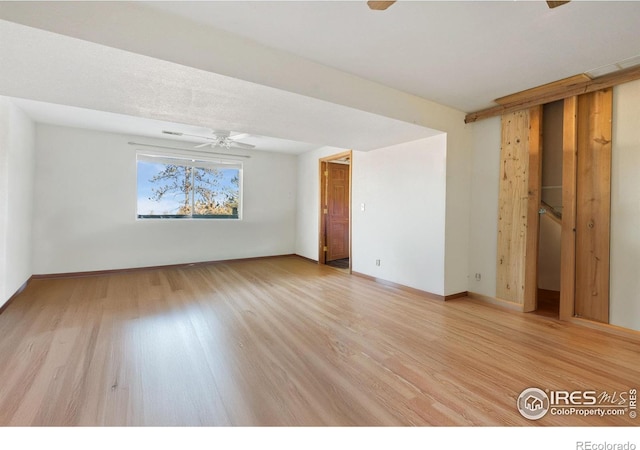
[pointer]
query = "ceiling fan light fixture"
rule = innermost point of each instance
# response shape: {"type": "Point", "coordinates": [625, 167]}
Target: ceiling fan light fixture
{"type": "Point", "coordinates": [224, 143]}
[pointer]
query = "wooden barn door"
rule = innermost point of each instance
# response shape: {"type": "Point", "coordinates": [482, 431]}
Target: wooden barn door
{"type": "Point", "coordinates": [518, 203]}
{"type": "Point", "coordinates": [593, 205]}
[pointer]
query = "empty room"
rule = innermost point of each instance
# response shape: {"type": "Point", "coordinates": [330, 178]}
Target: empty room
{"type": "Point", "coordinates": [328, 213]}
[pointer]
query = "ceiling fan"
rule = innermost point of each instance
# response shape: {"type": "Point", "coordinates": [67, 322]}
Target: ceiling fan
{"type": "Point", "coordinates": [381, 6]}
{"type": "Point", "coordinates": [219, 138]}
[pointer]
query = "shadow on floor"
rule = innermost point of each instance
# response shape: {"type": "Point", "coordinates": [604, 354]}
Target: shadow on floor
{"type": "Point", "coordinates": [548, 303]}
{"type": "Point", "coordinates": [339, 263]}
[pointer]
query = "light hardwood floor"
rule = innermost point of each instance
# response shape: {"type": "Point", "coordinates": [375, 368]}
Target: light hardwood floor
{"type": "Point", "coordinates": [284, 341]}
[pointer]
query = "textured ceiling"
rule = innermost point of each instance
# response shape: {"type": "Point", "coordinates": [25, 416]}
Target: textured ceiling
{"type": "Point", "coordinates": [71, 116]}
{"type": "Point", "coordinates": [324, 73]}
{"type": "Point", "coordinates": [52, 68]}
{"type": "Point", "coordinates": [461, 54]}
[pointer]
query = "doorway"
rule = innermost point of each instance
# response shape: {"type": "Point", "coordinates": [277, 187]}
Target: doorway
{"type": "Point", "coordinates": [550, 224]}
{"type": "Point", "coordinates": [575, 201]}
{"type": "Point", "coordinates": [335, 211]}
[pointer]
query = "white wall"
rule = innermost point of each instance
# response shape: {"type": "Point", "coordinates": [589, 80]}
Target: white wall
{"type": "Point", "coordinates": [625, 207]}
{"type": "Point", "coordinates": [403, 188]}
{"type": "Point", "coordinates": [483, 208]}
{"type": "Point", "coordinates": [459, 157]}
{"type": "Point", "coordinates": [5, 133]}
{"type": "Point", "coordinates": [308, 201]}
{"type": "Point", "coordinates": [85, 199]}
{"type": "Point", "coordinates": [16, 198]}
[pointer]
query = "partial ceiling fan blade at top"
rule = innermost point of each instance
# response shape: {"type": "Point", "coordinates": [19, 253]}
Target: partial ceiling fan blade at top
{"type": "Point", "coordinates": [206, 144]}
{"type": "Point", "coordinates": [379, 6]}
{"type": "Point", "coordinates": [238, 136]}
{"type": "Point", "coordinates": [555, 4]}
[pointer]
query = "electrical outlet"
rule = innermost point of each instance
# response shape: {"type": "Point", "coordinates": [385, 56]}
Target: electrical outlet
{"type": "Point", "coordinates": [478, 276]}
{"type": "Point", "coordinates": [378, 262]}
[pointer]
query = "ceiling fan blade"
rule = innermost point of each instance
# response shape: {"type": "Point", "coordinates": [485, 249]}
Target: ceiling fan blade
{"type": "Point", "coordinates": [553, 4]}
{"type": "Point", "coordinates": [242, 145]}
{"type": "Point", "coordinates": [178, 133]}
{"type": "Point", "coordinates": [206, 144]}
{"type": "Point", "coordinates": [198, 136]}
{"type": "Point", "coordinates": [239, 136]}
{"type": "Point", "coordinates": [379, 6]}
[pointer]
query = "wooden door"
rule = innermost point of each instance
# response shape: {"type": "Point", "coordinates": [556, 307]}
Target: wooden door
{"type": "Point", "coordinates": [593, 205]}
{"type": "Point", "coordinates": [518, 204]}
{"type": "Point", "coordinates": [568, 234]}
{"type": "Point", "coordinates": [337, 216]}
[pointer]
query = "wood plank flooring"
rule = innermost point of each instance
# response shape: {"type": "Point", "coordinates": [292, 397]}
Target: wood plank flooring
{"type": "Point", "coordinates": [284, 341]}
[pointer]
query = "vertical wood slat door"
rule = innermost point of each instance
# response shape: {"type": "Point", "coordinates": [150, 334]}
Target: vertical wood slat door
{"type": "Point", "coordinates": [593, 205]}
{"type": "Point", "coordinates": [568, 234]}
{"type": "Point", "coordinates": [518, 203]}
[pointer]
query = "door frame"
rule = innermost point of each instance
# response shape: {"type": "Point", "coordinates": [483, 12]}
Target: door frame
{"type": "Point", "coordinates": [322, 226]}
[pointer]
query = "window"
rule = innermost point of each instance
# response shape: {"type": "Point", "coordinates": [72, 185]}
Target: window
{"type": "Point", "coordinates": [172, 187]}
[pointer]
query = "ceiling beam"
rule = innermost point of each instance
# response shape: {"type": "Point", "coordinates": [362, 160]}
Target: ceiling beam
{"type": "Point", "coordinates": [565, 83]}
{"type": "Point", "coordinates": [555, 91]}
